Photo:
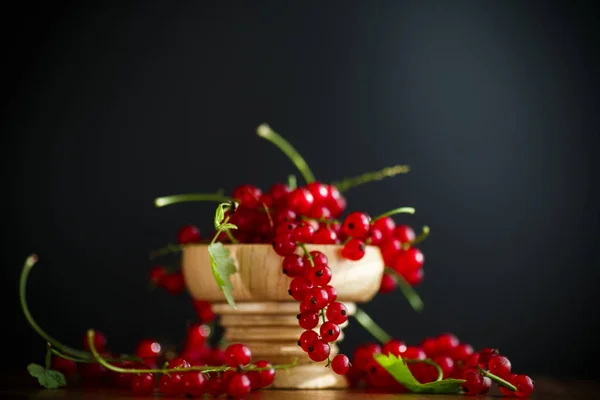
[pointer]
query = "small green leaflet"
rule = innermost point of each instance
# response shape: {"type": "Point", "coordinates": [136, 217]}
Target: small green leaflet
{"type": "Point", "coordinates": [400, 371]}
{"type": "Point", "coordinates": [220, 214]}
{"type": "Point", "coordinates": [48, 378]}
{"type": "Point", "coordinates": [223, 267]}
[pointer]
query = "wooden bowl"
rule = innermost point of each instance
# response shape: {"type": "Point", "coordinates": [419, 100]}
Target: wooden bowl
{"type": "Point", "coordinates": [265, 318]}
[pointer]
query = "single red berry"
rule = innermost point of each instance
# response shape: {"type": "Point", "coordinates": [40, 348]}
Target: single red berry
{"type": "Point", "coordinates": [293, 265]}
{"type": "Point", "coordinates": [247, 195]}
{"type": "Point", "coordinates": [215, 386]}
{"type": "Point", "coordinates": [388, 284]}
{"type": "Point", "coordinates": [197, 334]}
{"type": "Point", "coordinates": [142, 384]}
{"type": "Point", "coordinates": [319, 276]}
{"type": "Point", "coordinates": [409, 261]}
{"type": "Point", "coordinates": [386, 225]}
{"type": "Point", "coordinates": [67, 367]}
{"type": "Point", "coordinates": [204, 311]}
{"type": "Point", "coordinates": [390, 250]}
{"type": "Point", "coordinates": [337, 313]}
{"type": "Point", "coordinates": [319, 212]}
{"type": "Point", "coordinates": [303, 234]}
{"type": "Point", "coordinates": [504, 390]}
{"type": "Point", "coordinates": [188, 234]}
{"type": "Point", "coordinates": [178, 362]}
{"type": "Point", "coordinates": [121, 380]}
{"type": "Point", "coordinates": [524, 385]}
{"type": "Point", "coordinates": [475, 383]}
{"type": "Point", "coordinates": [340, 364]}
{"type": "Point", "coordinates": [170, 385]}
{"type": "Point", "coordinates": [307, 338]}
{"type": "Point", "coordinates": [414, 353]}
{"type": "Point", "coordinates": [318, 258]}
{"type": "Point", "coordinates": [265, 377]}
{"type": "Point", "coordinates": [445, 344]}
{"type": "Point", "coordinates": [472, 361]}
{"type": "Point", "coordinates": [331, 293]}
{"type": "Point", "coordinates": [325, 236]}
{"type": "Point", "coordinates": [461, 352]}
{"type": "Point", "coordinates": [318, 350]}
{"type": "Point", "coordinates": [278, 193]}
{"type": "Point", "coordinates": [91, 372]}
{"type": "Point", "coordinates": [239, 386]}
{"type": "Point", "coordinates": [303, 308]}
{"type": "Point", "coordinates": [356, 225]}
{"type": "Point", "coordinates": [157, 274]}
{"type": "Point", "coordinates": [299, 286]}
{"type": "Point", "coordinates": [485, 355]}
{"type": "Point", "coordinates": [375, 237]}
{"type": "Point", "coordinates": [319, 191]}
{"type": "Point", "coordinates": [194, 383]}
{"type": "Point", "coordinates": [329, 331]}
{"type": "Point", "coordinates": [414, 278]}
{"type": "Point", "coordinates": [316, 299]}
{"type": "Point", "coordinates": [446, 364]}
{"type": "Point", "coordinates": [429, 346]}
{"type": "Point", "coordinates": [148, 348]}
{"type": "Point", "coordinates": [99, 342]}
{"type": "Point", "coordinates": [404, 233]}
{"type": "Point", "coordinates": [363, 354]}
{"type": "Point", "coordinates": [300, 201]}
{"type": "Point", "coordinates": [395, 347]}
{"type": "Point", "coordinates": [174, 283]}
{"type": "Point", "coordinates": [237, 354]}
{"type": "Point", "coordinates": [308, 320]}
{"type": "Point", "coordinates": [378, 377]}
{"type": "Point", "coordinates": [285, 227]}
{"type": "Point", "coordinates": [336, 203]}
{"type": "Point", "coordinates": [284, 215]}
{"type": "Point", "coordinates": [283, 244]}
{"type": "Point", "coordinates": [499, 365]}
{"type": "Point", "coordinates": [354, 249]}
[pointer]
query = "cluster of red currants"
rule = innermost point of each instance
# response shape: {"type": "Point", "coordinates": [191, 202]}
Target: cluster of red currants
{"type": "Point", "coordinates": [455, 360]}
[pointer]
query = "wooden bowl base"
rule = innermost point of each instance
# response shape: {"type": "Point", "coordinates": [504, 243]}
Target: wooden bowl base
{"type": "Point", "coordinates": [271, 331]}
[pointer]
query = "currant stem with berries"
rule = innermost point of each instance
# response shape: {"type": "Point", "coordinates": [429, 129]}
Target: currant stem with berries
{"type": "Point", "coordinates": [498, 379]}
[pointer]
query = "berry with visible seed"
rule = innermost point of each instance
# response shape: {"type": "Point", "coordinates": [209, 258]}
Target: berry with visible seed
{"type": "Point", "coordinates": [319, 276]}
{"type": "Point", "coordinates": [319, 351]}
{"type": "Point", "coordinates": [337, 313]}
{"type": "Point", "coordinates": [325, 236]}
{"type": "Point", "coordinates": [329, 331]}
{"type": "Point", "coordinates": [307, 338]}
{"type": "Point", "coordinates": [308, 320]}
{"type": "Point", "coordinates": [299, 286]}
{"type": "Point", "coordinates": [357, 225]}
{"type": "Point", "coordinates": [293, 265]}
{"type": "Point", "coordinates": [340, 364]}
{"type": "Point", "coordinates": [283, 244]}
{"type": "Point", "coordinates": [285, 227]}
{"type": "Point", "coordinates": [316, 299]}
{"type": "Point", "coordinates": [354, 249]}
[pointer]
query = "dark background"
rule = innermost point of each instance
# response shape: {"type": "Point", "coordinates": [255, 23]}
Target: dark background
{"type": "Point", "coordinates": [493, 104]}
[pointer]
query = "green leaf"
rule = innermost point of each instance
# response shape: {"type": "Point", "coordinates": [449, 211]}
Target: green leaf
{"type": "Point", "coordinates": [48, 378]}
{"type": "Point", "coordinates": [227, 226]}
{"type": "Point", "coordinates": [223, 267]}
{"type": "Point", "coordinates": [220, 214]}
{"type": "Point", "coordinates": [400, 371]}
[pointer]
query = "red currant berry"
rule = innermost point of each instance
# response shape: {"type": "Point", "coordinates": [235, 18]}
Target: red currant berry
{"type": "Point", "coordinates": [307, 338]}
{"type": "Point", "coordinates": [319, 191]}
{"type": "Point", "coordinates": [318, 350]}
{"type": "Point", "coordinates": [318, 258]}
{"type": "Point", "coordinates": [316, 299]}
{"type": "Point", "coordinates": [148, 348]}
{"type": "Point", "coordinates": [445, 344]}
{"type": "Point", "coordinates": [197, 334]}
{"type": "Point", "coordinates": [485, 355]}
{"type": "Point", "coordinates": [331, 293]}
{"type": "Point", "coordinates": [142, 384]}
{"type": "Point", "coordinates": [390, 250]}
{"type": "Point", "coordinates": [475, 383]}
{"type": "Point", "coordinates": [404, 233]}
{"type": "Point", "coordinates": [524, 385]}
{"type": "Point", "coordinates": [429, 346]}
{"type": "Point", "coordinates": [121, 379]}
{"type": "Point", "coordinates": [329, 331]}
{"type": "Point", "coordinates": [239, 386]}
{"type": "Point", "coordinates": [356, 225]}
{"type": "Point", "coordinates": [375, 236]}
{"type": "Point", "coordinates": [395, 347]}
{"type": "Point", "coordinates": [409, 261]}
{"type": "Point", "coordinates": [414, 278]}
{"type": "Point", "coordinates": [354, 249]}
{"type": "Point", "coordinates": [170, 385]}
{"type": "Point", "coordinates": [461, 352]}
{"type": "Point", "coordinates": [178, 362]}
{"type": "Point", "coordinates": [265, 377]}
{"type": "Point", "coordinates": [284, 215]}
{"type": "Point", "coordinates": [385, 225]}
{"type": "Point", "coordinates": [285, 227]}
{"type": "Point", "coordinates": [204, 311]}
{"type": "Point", "coordinates": [91, 372]}
{"type": "Point", "coordinates": [308, 320]}
{"type": "Point", "coordinates": [300, 201]}
{"type": "Point", "coordinates": [157, 274]}
{"type": "Point", "coordinates": [319, 276]}
{"type": "Point", "coordinates": [325, 236]}
{"type": "Point", "coordinates": [388, 284]}
{"type": "Point", "coordinates": [173, 283]}
{"type": "Point", "coordinates": [99, 342]}
{"type": "Point", "coordinates": [67, 367]}
{"type": "Point", "coordinates": [215, 386]}
{"type": "Point", "coordinates": [446, 364]}
{"type": "Point", "coordinates": [337, 313]}
{"type": "Point", "coordinates": [338, 205]}
{"type": "Point", "coordinates": [189, 234]}
{"type": "Point", "coordinates": [284, 245]}
{"type": "Point", "coordinates": [299, 286]}
{"type": "Point", "coordinates": [266, 201]}
{"type": "Point", "coordinates": [471, 361]}
{"type": "Point", "coordinates": [293, 265]}
{"type": "Point", "coordinates": [319, 212]}
{"type": "Point", "coordinates": [247, 195]}
{"type": "Point", "coordinates": [194, 383]}
{"type": "Point", "coordinates": [504, 390]}
{"type": "Point", "coordinates": [303, 234]}
{"type": "Point", "coordinates": [340, 364]}
{"type": "Point", "coordinates": [499, 365]}
{"type": "Point", "coordinates": [414, 353]}
{"type": "Point", "coordinates": [363, 354]}
{"type": "Point", "coordinates": [377, 376]}
{"type": "Point", "coordinates": [278, 193]}
{"type": "Point", "coordinates": [237, 354]}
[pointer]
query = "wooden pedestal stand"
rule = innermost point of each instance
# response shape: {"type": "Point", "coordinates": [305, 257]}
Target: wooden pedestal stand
{"type": "Point", "coordinates": [265, 318]}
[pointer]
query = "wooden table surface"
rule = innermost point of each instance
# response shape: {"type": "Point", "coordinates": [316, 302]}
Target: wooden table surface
{"type": "Point", "coordinates": [545, 390]}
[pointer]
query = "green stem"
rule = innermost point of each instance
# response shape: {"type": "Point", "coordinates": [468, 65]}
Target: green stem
{"type": "Point", "coordinates": [322, 220]}
{"type": "Point", "coordinates": [411, 295]}
{"type": "Point", "coordinates": [219, 230]}
{"type": "Point", "coordinates": [306, 253]}
{"type": "Point", "coordinates": [498, 380]}
{"type": "Point", "coordinates": [401, 210]}
{"type": "Point", "coordinates": [367, 322]}
{"type": "Point", "coordinates": [93, 360]}
{"type": "Point", "coordinates": [348, 183]}
{"type": "Point", "coordinates": [266, 132]}
{"type": "Point", "coordinates": [29, 263]}
{"type": "Point", "coordinates": [428, 362]}
{"type": "Point", "coordinates": [292, 182]}
{"type": "Point", "coordinates": [191, 197]}
{"type": "Point", "coordinates": [422, 236]}
{"type": "Point", "coordinates": [168, 249]}
{"type": "Point", "coordinates": [48, 360]}
{"type": "Point", "coordinates": [231, 237]}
